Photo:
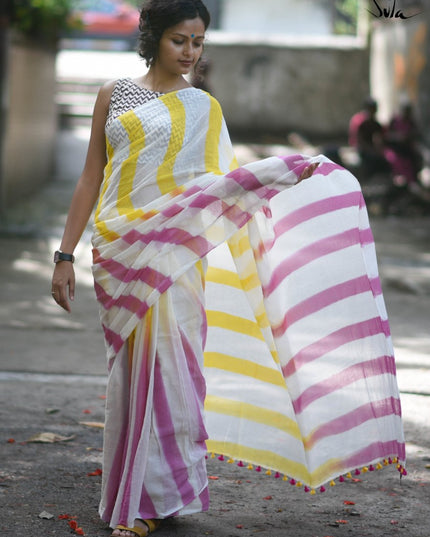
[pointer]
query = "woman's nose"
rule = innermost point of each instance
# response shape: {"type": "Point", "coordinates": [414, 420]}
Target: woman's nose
{"type": "Point", "coordinates": [188, 49]}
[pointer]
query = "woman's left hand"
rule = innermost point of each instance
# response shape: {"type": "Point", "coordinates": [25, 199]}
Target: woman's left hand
{"type": "Point", "coordinates": [308, 171]}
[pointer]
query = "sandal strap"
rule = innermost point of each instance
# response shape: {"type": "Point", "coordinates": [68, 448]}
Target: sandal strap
{"type": "Point", "coordinates": [152, 525]}
{"type": "Point", "coordinates": [140, 532]}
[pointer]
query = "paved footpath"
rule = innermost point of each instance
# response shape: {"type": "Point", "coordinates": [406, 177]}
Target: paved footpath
{"type": "Point", "coordinates": [53, 376]}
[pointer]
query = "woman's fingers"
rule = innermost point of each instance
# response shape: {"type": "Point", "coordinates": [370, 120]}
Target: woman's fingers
{"type": "Point", "coordinates": [308, 171]}
{"type": "Point", "coordinates": [63, 284]}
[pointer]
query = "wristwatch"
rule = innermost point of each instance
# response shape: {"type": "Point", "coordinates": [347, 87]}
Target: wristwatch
{"type": "Point", "coordinates": [61, 256]}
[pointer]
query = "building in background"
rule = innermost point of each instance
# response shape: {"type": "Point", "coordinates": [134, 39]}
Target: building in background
{"type": "Point", "coordinates": [284, 17]}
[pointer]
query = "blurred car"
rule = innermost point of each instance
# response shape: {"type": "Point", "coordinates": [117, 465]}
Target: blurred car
{"type": "Point", "coordinates": [105, 19]}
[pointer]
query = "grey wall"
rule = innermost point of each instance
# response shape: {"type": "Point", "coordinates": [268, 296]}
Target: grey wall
{"type": "Point", "coordinates": [312, 88]}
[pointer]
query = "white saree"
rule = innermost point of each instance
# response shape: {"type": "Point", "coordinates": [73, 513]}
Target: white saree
{"type": "Point", "coordinates": [278, 286]}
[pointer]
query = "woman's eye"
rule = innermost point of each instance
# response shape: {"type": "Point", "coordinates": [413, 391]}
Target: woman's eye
{"type": "Point", "coordinates": [178, 42]}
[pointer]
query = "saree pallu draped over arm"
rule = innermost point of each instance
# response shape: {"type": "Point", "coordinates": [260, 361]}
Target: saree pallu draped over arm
{"type": "Point", "coordinates": [279, 286]}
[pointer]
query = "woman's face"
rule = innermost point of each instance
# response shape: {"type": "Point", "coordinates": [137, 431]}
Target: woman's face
{"type": "Point", "coordinates": [181, 47]}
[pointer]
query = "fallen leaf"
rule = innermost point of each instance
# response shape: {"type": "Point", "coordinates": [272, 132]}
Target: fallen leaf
{"type": "Point", "coordinates": [45, 515]}
{"type": "Point", "coordinates": [97, 424]}
{"type": "Point", "coordinates": [347, 502]}
{"type": "Point", "coordinates": [268, 498]}
{"type": "Point", "coordinates": [394, 522]}
{"type": "Point", "coordinates": [86, 411]}
{"type": "Point", "coordinates": [341, 522]}
{"type": "Point", "coordinates": [52, 410]}
{"type": "Point", "coordinates": [239, 526]}
{"type": "Point", "coordinates": [79, 531]}
{"type": "Point", "coordinates": [99, 471]}
{"type": "Point", "coordinates": [213, 477]}
{"type": "Point", "coordinates": [64, 517]}
{"type": "Point", "coordinates": [50, 438]}
{"type": "Point", "coordinates": [11, 440]}
{"type": "Point", "coordinates": [73, 524]}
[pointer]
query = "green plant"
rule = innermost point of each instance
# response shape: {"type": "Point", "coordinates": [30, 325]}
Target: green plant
{"type": "Point", "coordinates": [346, 13]}
{"type": "Point", "coordinates": [43, 20]}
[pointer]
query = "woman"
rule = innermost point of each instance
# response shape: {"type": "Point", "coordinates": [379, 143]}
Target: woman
{"type": "Point", "coordinates": [170, 192]}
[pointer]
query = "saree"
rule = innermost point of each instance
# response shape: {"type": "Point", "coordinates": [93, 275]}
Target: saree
{"type": "Point", "coordinates": [242, 317]}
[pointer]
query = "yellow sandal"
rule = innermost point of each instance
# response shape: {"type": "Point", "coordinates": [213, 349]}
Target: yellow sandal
{"type": "Point", "coordinates": [152, 525]}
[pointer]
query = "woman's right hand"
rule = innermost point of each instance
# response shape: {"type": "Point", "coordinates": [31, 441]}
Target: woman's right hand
{"type": "Point", "coordinates": [308, 171]}
{"type": "Point", "coordinates": [63, 284]}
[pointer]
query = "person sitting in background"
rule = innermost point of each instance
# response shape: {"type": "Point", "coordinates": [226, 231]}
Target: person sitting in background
{"type": "Point", "coordinates": [367, 135]}
{"type": "Point", "coordinates": [403, 150]}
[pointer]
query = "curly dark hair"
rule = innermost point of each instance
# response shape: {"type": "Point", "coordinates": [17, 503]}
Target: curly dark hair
{"type": "Point", "coordinates": [158, 15]}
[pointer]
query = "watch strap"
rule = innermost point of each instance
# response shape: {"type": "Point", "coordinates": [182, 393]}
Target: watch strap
{"type": "Point", "coordinates": [62, 256]}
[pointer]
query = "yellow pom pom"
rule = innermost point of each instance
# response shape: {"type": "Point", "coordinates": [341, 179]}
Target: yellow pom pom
{"type": "Point", "coordinates": [250, 467]}
{"type": "Point", "coordinates": [349, 475]}
{"type": "Point", "coordinates": [299, 484]}
{"type": "Point", "coordinates": [365, 469]}
{"type": "Point", "coordinates": [378, 466]}
{"type": "Point", "coordinates": [268, 472]}
{"type": "Point", "coordinates": [285, 478]}
{"type": "Point", "coordinates": [332, 484]}
{"type": "Point", "coordinates": [313, 492]}
{"type": "Point", "coordinates": [395, 460]}
{"type": "Point", "coordinates": [213, 455]}
{"type": "Point", "coordinates": [385, 462]}
{"type": "Point", "coordinates": [230, 461]}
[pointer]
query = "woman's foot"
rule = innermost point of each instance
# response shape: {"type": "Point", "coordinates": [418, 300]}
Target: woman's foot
{"type": "Point", "coordinates": [141, 528]}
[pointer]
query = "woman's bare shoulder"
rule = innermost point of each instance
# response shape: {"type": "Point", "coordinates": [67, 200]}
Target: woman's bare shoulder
{"type": "Point", "coordinates": [105, 92]}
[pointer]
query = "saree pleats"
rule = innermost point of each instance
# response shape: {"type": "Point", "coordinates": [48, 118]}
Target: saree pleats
{"type": "Point", "coordinates": [298, 361]}
{"type": "Point", "coordinates": [154, 453]}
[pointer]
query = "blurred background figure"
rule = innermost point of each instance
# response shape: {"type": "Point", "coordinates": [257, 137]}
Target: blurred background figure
{"type": "Point", "coordinates": [403, 145]}
{"type": "Point", "coordinates": [201, 74]}
{"type": "Point", "coordinates": [367, 135]}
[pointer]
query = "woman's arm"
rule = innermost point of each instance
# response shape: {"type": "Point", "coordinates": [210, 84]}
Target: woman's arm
{"type": "Point", "coordinates": [83, 200]}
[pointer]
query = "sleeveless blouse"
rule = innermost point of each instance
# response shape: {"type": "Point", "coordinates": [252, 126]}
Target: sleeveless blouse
{"type": "Point", "coordinates": [126, 96]}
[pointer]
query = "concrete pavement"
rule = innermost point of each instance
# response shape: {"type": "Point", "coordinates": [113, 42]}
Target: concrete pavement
{"type": "Point", "coordinates": [53, 373]}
